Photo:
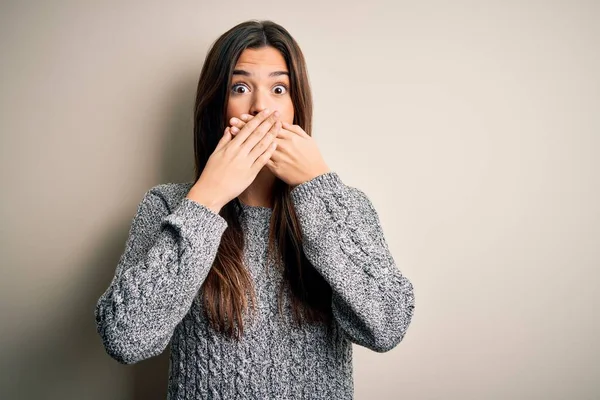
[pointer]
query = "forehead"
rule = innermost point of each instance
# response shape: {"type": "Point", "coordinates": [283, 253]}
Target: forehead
{"type": "Point", "coordinates": [267, 58]}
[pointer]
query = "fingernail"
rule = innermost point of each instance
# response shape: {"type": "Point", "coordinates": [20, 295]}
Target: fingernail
{"type": "Point", "coordinates": [267, 111]}
{"type": "Point", "coordinates": [234, 120]}
{"type": "Point", "coordinates": [276, 113]}
{"type": "Point", "coordinates": [234, 129]}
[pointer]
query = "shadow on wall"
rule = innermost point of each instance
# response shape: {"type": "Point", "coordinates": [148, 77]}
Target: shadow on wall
{"type": "Point", "coordinates": [70, 362]}
{"type": "Point", "coordinates": [150, 377]}
{"type": "Point", "coordinates": [62, 361]}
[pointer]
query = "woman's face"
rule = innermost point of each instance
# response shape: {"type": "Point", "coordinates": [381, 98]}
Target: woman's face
{"type": "Point", "coordinates": [260, 80]}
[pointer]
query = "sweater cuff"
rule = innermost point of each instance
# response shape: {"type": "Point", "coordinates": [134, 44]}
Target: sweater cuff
{"type": "Point", "coordinates": [195, 220]}
{"type": "Point", "coordinates": [329, 182]}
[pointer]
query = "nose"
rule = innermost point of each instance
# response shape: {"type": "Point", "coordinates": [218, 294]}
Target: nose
{"type": "Point", "coordinates": [260, 101]}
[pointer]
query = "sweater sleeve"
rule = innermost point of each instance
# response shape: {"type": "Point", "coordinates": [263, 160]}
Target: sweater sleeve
{"type": "Point", "coordinates": [166, 259]}
{"type": "Point", "coordinates": [342, 236]}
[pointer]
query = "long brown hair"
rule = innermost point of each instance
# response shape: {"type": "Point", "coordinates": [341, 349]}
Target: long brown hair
{"type": "Point", "coordinates": [228, 284]}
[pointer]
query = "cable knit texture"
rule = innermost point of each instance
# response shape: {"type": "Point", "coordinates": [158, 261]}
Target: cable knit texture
{"type": "Point", "coordinates": [153, 299]}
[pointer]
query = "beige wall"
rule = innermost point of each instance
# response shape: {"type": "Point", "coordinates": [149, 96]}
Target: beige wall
{"type": "Point", "coordinates": [474, 128]}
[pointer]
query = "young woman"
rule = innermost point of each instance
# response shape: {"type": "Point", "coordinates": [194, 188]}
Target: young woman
{"type": "Point", "coordinates": [262, 271]}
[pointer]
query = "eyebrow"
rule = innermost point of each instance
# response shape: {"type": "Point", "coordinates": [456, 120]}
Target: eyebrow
{"type": "Point", "coordinates": [272, 74]}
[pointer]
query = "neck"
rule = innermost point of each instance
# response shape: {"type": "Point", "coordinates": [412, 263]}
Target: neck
{"type": "Point", "coordinates": [260, 191]}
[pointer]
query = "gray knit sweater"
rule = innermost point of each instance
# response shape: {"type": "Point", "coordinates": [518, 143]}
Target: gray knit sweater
{"type": "Point", "coordinates": [153, 299]}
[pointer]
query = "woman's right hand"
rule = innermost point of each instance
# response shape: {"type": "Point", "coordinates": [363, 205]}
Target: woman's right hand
{"type": "Point", "coordinates": [236, 161]}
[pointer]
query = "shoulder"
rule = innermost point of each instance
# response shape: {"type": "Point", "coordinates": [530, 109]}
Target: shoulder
{"type": "Point", "coordinates": [169, 194]}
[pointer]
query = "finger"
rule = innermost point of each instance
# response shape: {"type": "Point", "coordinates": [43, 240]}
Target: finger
{"type": "Point", "coordinates": [280, 153]}
{"type": "Point", "coordinates": [285, 141]}
{"type": "Point", "coordinates": [245, 132]}
{"type": "Point", "coordinates": [286, 134]}
{"type": "Point", "coordinates": [234, 121]}
{"type": "Point", "coordinates": [270, 163]}
{"type": "Point", "coordinates": [226, 138]}
{"type": "Point", "coordinates": [235, 129]}
{"type": "Point", "coordinates": [296, 129]}
{"type": "Point", "coordinates": [264, 143]}
{"type": "Point", "coordinates": [236, 125]}
{"type": "Point", "coordinates": [263, 158]}
{"type": "Point", "coordinates": [258, 133]}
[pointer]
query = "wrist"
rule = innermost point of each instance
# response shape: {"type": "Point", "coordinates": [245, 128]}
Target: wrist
{"type": "Point", "coordinates": [204, 197]}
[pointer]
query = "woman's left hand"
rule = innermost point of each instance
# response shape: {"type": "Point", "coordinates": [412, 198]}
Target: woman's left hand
{"type": "Point", "coordinates": [297, 158]}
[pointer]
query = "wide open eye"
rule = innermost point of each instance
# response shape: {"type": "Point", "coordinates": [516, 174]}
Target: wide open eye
{"type": "Point", "coordinates": [235, 88]}
{"type": "Point", "coordinates": [283, 89]}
